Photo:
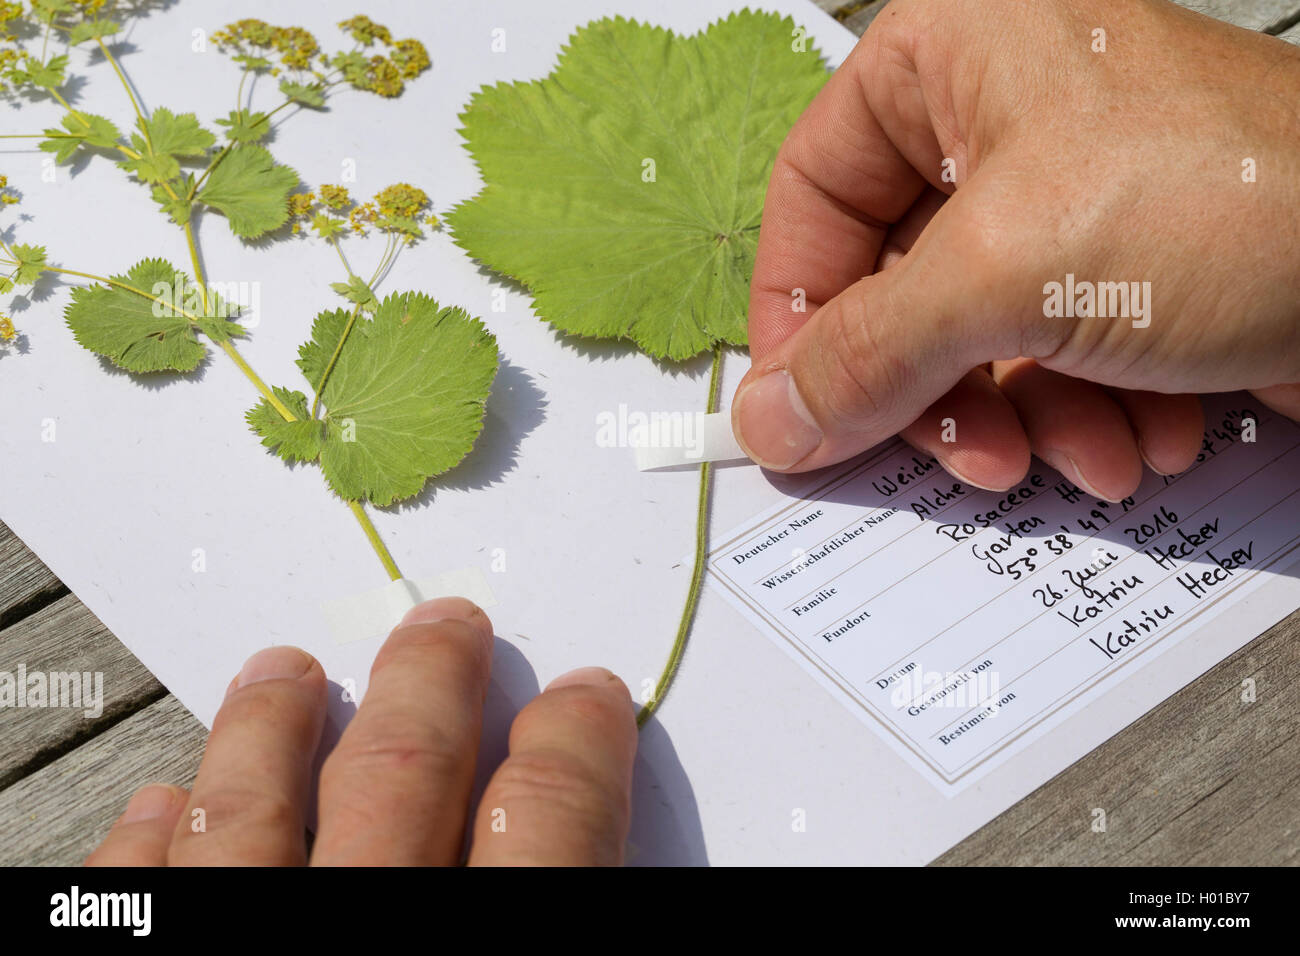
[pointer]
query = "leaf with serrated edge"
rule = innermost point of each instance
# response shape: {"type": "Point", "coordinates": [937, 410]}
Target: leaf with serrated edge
{"type": "Point", "coordinates": [299, 440]}
{"type": "Point", "coordinates": [405, 399]}
{"type": "Point", "coordinates": [251, 190]}
{"type": "Point", "coordinates": [566, 211]}
{"type": "Point", "coordinates": [135, 333]}
{"type": "Point", "coordinates": [149, 332]}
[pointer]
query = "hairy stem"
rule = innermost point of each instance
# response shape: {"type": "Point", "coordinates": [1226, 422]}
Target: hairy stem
{"type": "Point", "coordinates": [697, 572]}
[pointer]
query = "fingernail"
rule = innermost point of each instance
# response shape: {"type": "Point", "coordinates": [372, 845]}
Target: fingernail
{"type": "Point", "coordinates": [773, 423]}
{"type": "Point", "coordinates": [1068, 467]}
{"type": "Point", "coordinates": [966, 481]}
{"type": "Point", "coordinates": [445, 609]}
{"type": "Point", "coordinates": [274, 663]}
{"type": "Point", "coordinates": [1147, 460]}
{"type": "Point", "coordinates": [150, 803]}
{"type": "Point", "coordinates": [589, 676]}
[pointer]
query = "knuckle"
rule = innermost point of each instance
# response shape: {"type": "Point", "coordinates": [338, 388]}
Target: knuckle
{"type": "Point", "coordinates": [559, 780]}
{"type": "Point", "coordinates": [242, 809]}
{"type": "Point", "coordinates": [858, 376]}
{"type": "Point", "coordinates": [379, 755]}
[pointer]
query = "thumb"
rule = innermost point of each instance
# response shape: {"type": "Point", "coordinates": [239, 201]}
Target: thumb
{"type": "Point", "coordinates": [872, 359]}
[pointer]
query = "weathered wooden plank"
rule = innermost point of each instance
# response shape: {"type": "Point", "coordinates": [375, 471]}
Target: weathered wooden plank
{"type": "Point", "coordinates": [59, 814]}
{"type": "Point", "coordinates": [65, 637]}
{"type": "Point", "coordinates": [25, 583]}
{"type": "Point", "coordinates": [1204, 778]}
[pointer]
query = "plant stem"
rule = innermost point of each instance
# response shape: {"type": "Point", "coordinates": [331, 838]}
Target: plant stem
{"type": "Point", "coordinates": [135, 104]}
{"type": "Point", "coordinates": [198, 268]}
{"type": "Point", "coordinates": [376, 542]}
{"type": "Point", "coordinates": [320, 386]}
{"type": "Point", "coordinates": [697, 572]}
{"type": "Point", "coordinates": [342, 258]}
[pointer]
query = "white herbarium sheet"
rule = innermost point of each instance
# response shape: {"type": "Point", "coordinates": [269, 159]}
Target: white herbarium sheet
{"type": "Point", "coordinates": [749, 760]}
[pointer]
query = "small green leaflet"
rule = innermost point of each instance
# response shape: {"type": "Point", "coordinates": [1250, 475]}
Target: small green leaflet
{"type": "Point", "coordinates": [625, 189]}
{"type": "Point", "coordinates": [149, 332]}
{"type": "Point", "coordinates": [48, 75]}
{"type": "Point", "coordinates": [245, 127]}
{"type": "Point", "coordinates": [178, 208]}
{"type": "Point", "coordinates": [356, 290]}
{"type": "Point", "coordinates": [77, 129]}
{"type": "Point", "coordinates": [299, 440]}
{"type": "Point", "coordinates": [90, 30]}
{"type": "Point", "coordinates": [326, 226]}
{"type": "Point", "coordinates": [170, 138]}
{"type": "Point", "coordinates": [31, 263]}
{"type": "Point", "coordinates": [251, 190]}
{"type": "Point", "coordinates": [303, 94]}
{"type": "Point", "coordinates": [177, 134]}
{"type": "Point", "coordinates": [404, 400]}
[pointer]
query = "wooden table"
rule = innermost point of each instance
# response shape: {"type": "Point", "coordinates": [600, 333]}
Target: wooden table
{"type": "Point", "coordinates": [1204, 778]}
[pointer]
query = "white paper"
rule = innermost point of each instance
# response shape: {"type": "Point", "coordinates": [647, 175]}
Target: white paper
{"type": "Point", "coordinates": [962, 625]}
{"type": "Point", "coordinates": [146, 482]}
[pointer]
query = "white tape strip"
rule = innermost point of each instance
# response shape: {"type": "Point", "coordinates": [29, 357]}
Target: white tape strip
{"type": "Point", "coordinates": [708, 439]}
{"type": "Point", "coordinates": [360, 617]}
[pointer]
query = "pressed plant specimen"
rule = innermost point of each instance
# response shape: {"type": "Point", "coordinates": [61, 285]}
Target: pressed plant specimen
{"type": "Point", "coordinates": [625, 191]}
{"type": "Point", "coordinates": [397, 386]}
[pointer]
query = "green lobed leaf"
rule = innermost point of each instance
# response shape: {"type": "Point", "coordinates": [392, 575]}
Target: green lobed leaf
{"type": "Point", "coordinates": [31, 263]}
{"type": "Point", "coordinates": [49, 75]}
{"type": "Point", "coordinates": [245, 127]}
{"type": "Point", "coordinates": [305, 94]}
{"type": "Point", "coordinates": [567, 208]}
{"type": "Point", "coordinates": [356, 290]}
{"type": "Point", "coordinates": [91, 29]}
{"type": "Point", "coordinates": [404, 401]}
{"type": "Point", "coordinates": [326, 226]}
{"type": "Point", "coordinates": [179, 208]}
{"type": "Point", "coordinates": [152, 167]}
{"type": "Point", "coordinates": [177, 134]}
{"type": "Point", "coordinates": [149, 332]}
{"type": "Point", "coordinates": [299, 440]}
{"type": "Point", "coordinates": [251, 190]}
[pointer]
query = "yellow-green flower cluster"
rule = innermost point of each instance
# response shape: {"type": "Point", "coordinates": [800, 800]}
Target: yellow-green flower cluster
{"type": "Point", "coordinates": [254, 41]}
{"type": "Point", "coordinates": [366, 31]}
{"type": "Point", "coordinates": [400, 209]}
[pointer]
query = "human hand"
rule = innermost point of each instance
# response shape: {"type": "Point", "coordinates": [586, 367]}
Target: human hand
{"type": "Point", "coordinates": [396, 789]}
{"type": "Point", "coordinates": [1118, 166]}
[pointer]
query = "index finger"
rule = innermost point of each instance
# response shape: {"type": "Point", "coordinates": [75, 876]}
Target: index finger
{"type": "Point", "coordinates": [837, 184]}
